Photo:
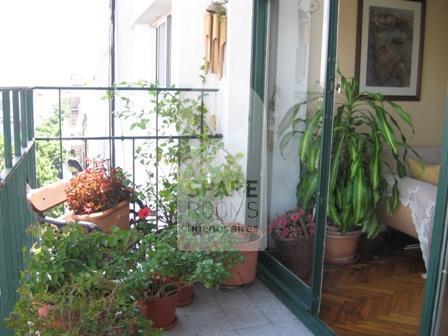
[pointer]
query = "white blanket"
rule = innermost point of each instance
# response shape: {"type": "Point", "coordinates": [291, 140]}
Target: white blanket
{"type": "Point", "coordinates": [420, 197]}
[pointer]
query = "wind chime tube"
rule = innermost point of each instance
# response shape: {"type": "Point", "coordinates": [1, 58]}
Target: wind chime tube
{"type": "Point", "coordinates": [222, 43]}
{"type": "Point", "coordinates": [215, 43]}
{"type": "Point", "coordinates": [208, 39]}
{"type": "Point", "coordinates": [215, 38]}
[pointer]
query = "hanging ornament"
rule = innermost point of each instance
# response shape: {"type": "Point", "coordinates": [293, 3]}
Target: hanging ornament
{"type": "Point", "coordinates": [215, 36]}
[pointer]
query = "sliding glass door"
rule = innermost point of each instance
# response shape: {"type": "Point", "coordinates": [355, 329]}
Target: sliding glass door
{"type": "Point", "coordinates": [435, 308]}
{"type": "Point", "coordinates": [293, 82]}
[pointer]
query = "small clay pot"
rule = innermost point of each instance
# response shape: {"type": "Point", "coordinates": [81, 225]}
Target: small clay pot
{"type": "Point", "coordinates": [161, 311]}
{"type": "Point", "coordinates": [186, 295]}
{"type": "Point", "coordinates": [47, 312]}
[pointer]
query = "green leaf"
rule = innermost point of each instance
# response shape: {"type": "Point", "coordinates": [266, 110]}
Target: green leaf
{"type": "Point", "coordinates": [289, 117]}
{"type": "Point", "coordinates": [308, 137]}
{"type": "Point", "coordinates": [406, 117]}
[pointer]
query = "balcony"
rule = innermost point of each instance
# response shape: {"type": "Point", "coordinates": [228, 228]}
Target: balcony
{"type": "Point", "coordinates": [49, 131]}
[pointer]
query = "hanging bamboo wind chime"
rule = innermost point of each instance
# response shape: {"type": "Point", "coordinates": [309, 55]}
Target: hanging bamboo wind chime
{"type": "Point", "coordinates": [215, 25]}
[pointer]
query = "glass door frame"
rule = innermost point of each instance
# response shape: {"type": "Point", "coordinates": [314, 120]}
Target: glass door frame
{"type": "Point", "coordinates": [437, 269]}
{"type": "Point", "coordinates": [301, 299]}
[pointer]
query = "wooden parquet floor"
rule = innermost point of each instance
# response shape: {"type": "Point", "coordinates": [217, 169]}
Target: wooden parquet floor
{"type": "Point", "coordinates": [381, 297]}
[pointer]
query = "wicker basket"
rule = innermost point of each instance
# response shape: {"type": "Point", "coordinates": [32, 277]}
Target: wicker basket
{"type": "Point", "coordinates": [296, 254]}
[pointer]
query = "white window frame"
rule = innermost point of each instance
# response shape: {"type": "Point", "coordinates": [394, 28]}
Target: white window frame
{"type": "Point", "coordinates": [163, 27]}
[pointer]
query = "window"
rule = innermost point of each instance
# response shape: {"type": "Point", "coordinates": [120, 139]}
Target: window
{"type": "Point", "coordinates": [163, 52]}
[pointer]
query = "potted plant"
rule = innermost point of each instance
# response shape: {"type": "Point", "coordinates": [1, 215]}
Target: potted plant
{"type": "Point", "coordinates": [364, 125]}
{"type": "Point", "coordinates": [247, 242]}
{"type": "Point", "coordinates": [202, 175]}
{"type": "Point", "coordinates": [73, 285]}
{"type": "Point", "coordinates": [100, 195]}
{"type": "Point", "coordinates": [150, 283]}
{"type": "Point", "coordinates": [293, 233]}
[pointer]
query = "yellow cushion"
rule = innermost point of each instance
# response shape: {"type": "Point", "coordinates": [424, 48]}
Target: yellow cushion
{"type": "Point", "coordinates": [429, 173]}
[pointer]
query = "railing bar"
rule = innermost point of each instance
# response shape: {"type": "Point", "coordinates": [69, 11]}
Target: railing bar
{"type": "Point", "coordinates": [133, 172]}
{"type": "Point", "coordinates": [30, 113]}
{"type": "Point", "coordinates": [16, 121]}
{"type": "Point", "coordinates": [151, 137]}
{"type": "Point", "coordinates": [157, 160]}
{"type": "Point", "coordinates": [85, 153]}
{"type": "Point", "coordinates": [108, 88]}
{"type": "Point", "coordinates": [202, 113]}
{"type": "Point", "coordinates": [6, 105]}
{"type": "Point", "coordinates": [123, 88]}
{"type": "Point", "coordinates": [60, 134]}
{"type": "Point", "coordinates": [23, 119]}
{"type": "Point", "coordinates": [112, 128]}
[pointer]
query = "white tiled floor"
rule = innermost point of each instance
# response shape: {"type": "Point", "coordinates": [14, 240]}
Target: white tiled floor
{"type": "Point", "coordinates": [252, 311]}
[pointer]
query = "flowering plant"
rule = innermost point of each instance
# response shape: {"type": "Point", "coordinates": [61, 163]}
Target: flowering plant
{"type": "Point", "coordinates": [97, 188]}
{"type": "Point", "coordinates": [293, 224]}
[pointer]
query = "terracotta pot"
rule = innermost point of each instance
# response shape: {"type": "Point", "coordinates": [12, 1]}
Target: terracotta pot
{"type": "Point", "coordinates": [161, 311]}
{"type": "Point", "coordinates": [296, 254]}
{"type": "Point", "coordinates": [48, 313]}
{"type": "Point", "coordinates": [244, 273]}
{"type": "Point", "coordinates": [341, 249]}
{"type": "Point", "coordinates": [186, 295]}
{"type": "Point", "coordinates": [105, 220]}
{"type": "Point", "coordinates": [240, 231]}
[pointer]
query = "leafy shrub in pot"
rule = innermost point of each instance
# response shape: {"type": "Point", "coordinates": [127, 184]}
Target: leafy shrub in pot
{"type": "Point", "coordinates": [150, 283]}
{"type": "Point", "coordinates": [73, 285]}
{"type": "Point", "coordinates": [100, 195]}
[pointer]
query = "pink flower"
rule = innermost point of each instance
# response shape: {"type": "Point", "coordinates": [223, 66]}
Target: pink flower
{"type": "Point", "coordinates": [295, 217]}
{"type": "Point", "coordinates": [283, 221]}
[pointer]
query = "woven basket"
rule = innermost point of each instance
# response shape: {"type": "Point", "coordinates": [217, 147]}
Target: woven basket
{"type": "Point", "coordinates": [296, 254]}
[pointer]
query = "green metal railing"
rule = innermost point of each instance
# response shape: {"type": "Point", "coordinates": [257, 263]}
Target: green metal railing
{"type": "Point", "coordinates": [18, 157]}
{"type": "Point", "coordinates": [18, 160]}
{"type": "Point", "coordinates": [155, 137]}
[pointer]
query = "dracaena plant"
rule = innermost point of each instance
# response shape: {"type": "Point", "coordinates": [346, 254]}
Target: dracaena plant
{"type": "Point", "coordinates": [365, 124]}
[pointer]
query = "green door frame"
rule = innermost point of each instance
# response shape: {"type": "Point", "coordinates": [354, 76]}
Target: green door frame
{"type": "Point", "coordinates": [302, 300]}
{"type": "Point", "coordinates": [435, 281]}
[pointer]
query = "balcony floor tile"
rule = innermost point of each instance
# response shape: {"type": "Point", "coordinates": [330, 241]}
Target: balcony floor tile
{"type": "Point", "coordinates": [240, 312]}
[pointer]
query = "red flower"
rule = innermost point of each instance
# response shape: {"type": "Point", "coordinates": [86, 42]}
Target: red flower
{"type": "Point", "coordinates": [144, 212]}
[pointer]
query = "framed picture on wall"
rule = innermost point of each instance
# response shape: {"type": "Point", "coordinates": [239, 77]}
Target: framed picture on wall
{"type": "Point", "coordinates": [389, 50]}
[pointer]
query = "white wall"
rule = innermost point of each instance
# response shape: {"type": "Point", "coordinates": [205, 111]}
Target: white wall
{"type": "Point", "coordinates": [135, 56]}
{"type": "Point", "coordinates": [232, 102]}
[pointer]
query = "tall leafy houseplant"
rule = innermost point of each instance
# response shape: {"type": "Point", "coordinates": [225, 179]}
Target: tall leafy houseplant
{"type": "Point", "coordinates": [365, 124]}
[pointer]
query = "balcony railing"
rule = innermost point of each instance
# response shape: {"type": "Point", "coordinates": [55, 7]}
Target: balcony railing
{"type": "Point", "coordinates": [22, 106]}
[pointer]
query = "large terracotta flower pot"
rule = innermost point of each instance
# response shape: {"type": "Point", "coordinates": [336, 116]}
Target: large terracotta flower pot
{"type": "Point", "coordinates": [341, 249]}
{"type": "Point", "coordinates": [245, 272]}
{"type": "Point", "coordinates": [186, 295]}
{"type": "Point", "coordinates": [296, 254]}
{"type": "Point", "coordinates": [105, 220]}
{"type": "Point", "coordinates": [161, 311]}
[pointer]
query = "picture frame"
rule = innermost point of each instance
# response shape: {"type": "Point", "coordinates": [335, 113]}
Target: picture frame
{"type": "Point", "coordinates": [389, 49]}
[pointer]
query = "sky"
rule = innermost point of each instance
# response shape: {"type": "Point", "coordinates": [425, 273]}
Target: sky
{"type": "Point", "coordinates": [53, 42]}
